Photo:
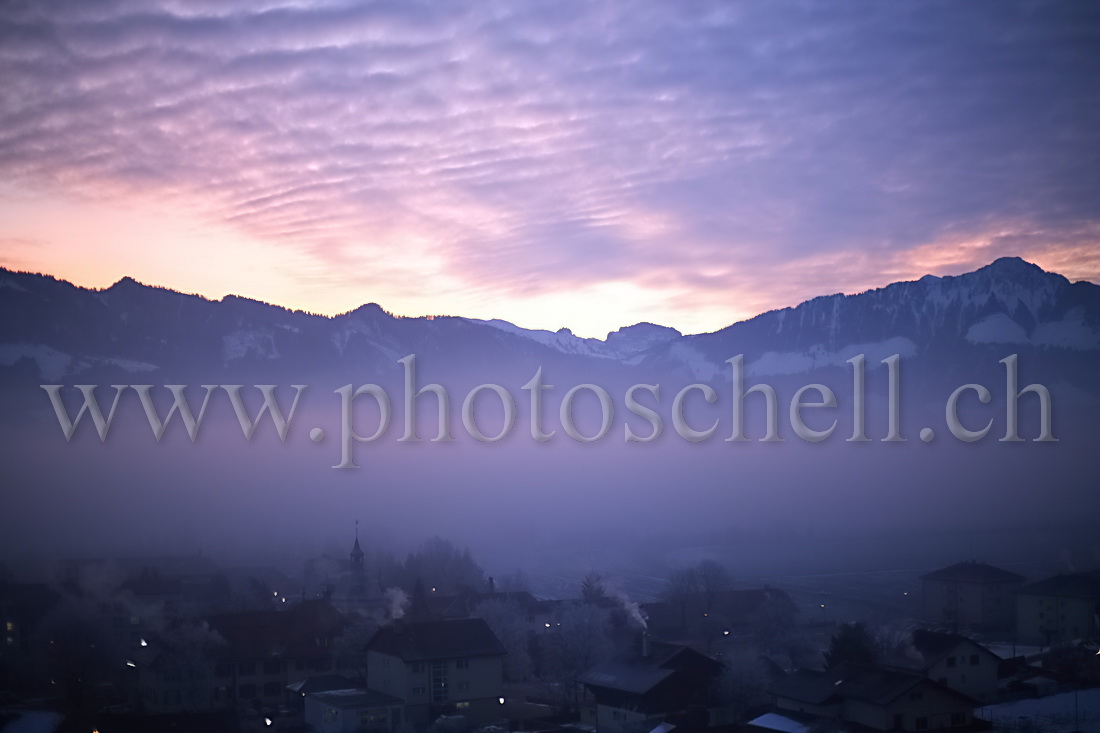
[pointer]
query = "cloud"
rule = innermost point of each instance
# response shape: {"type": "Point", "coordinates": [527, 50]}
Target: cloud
{"type": "Point", "coordinates": [492, 153]}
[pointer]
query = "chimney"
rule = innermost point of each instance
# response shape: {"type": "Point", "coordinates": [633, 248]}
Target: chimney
{"type": "Point", "coordinates": [645, 644]}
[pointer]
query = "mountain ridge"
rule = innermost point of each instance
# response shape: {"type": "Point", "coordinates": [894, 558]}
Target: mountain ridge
{"type": "Point", "coordinates": [66, 329]}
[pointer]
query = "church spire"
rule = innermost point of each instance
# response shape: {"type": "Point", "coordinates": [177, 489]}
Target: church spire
{"type": "Point", "coordinates": [357, 552]}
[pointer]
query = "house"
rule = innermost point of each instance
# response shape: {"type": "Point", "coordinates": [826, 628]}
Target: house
{"type": "Point", "coordinates": [265, 651]}
{"type": "Point", "coordinates": [444, 667]}
{"type": "Point", "coordinates": [353, 710]}
{"type": "Point", "coordinates": [971, 595]}
{"type": "Point", "coordinates": [653, 683]}
{"type": "Point", "coordinates": [875, 697]}
{"type": "Point", "coordinates": [235, 660]}
{"type": "Point", "coordinates": [740, 612]}
{"type": "Point", "coordinates": [22, 605]}
{"type": "Point", "coordinates": [955, 661]}
{"type": "Point", "coordinates": [246, 659]}
{"type": "Point", "coordinates": [1059, 609]}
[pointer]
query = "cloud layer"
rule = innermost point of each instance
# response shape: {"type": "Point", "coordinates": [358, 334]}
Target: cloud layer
{"type": "Point", "coordinates": [554, 163]}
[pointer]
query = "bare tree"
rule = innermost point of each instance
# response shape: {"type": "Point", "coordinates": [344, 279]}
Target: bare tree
{"type": "Point", "coordinates": [443, 566]}
{"type": "Point", "coordinates": [350, 648]}
{"type": "Point", "coordinates": [743, 684]}
{"type": "Point", "coordinates": [514, 581]}
{"type": "Point", "coordinates": [577, 641]}
{"type": "Point", "coordinates": [713, 579]}
{"type": "Point", "coordinates": [509, 622]}
{"type": "Point", "coordinates": [682, 593]}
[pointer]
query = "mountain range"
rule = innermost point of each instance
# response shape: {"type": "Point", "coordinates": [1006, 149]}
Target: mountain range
{"type": "Point", "coordinates": [947, 331]}
{"type": "Point", "coordinates": [61, 332]}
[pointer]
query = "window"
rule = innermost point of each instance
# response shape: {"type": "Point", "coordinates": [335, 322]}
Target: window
{"type": "Point", "coordinates": [416, 691]}
{"type": "Point", "coordinates": [439, 681]}
{"type": "Point", "coordinates": [273, 667]}
{"type": "Point", "coordinates": [416, 667]}
{"type": "Point", "coordinates": [330, 715]}
{"type": "Point", "coordinates": [974, 660]}
{"type": "Point", "coordinates": [246, 669]}
{"type": "Point", "coordinates": [462, 705]}
{"type": "Point", "coordinates": [950, 661]}
{"type": "Point", "coordinates": [246, 692]}
{"type": "Point", "coordinates": [958, 718]}
{"type": "Point", "coordinates": [223, 670]}
{"type": "Point", "coordinates": [916, 695]}
{"type": "Point", "coordinates": [462, 663]}
{"type": "Point", "coordinates": [374, 721]}
{"type": "Point", "coordinates": [272, 689]}
{"type": "Point", "coordinates": [922, 723]}
{"type": "Point", "coordinates": [463, 686]}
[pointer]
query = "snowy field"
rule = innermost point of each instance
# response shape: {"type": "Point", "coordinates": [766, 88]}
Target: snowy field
{"type": "Point", "coordinates": [1054, 714]}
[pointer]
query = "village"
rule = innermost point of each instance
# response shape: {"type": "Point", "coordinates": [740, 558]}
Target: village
{"type": "Point", "coordinates": [368, 643]}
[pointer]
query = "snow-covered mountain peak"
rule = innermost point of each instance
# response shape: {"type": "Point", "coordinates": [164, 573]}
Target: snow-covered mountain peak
{"type": "Point", "coordinates": [623, 344]}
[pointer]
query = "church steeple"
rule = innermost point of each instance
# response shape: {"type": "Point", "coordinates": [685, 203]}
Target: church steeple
{"type": "Point", "coordinates": [356, 552]}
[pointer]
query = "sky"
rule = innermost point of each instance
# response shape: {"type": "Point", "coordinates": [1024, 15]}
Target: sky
{"type": "Point", "coordinates": [556, 164]}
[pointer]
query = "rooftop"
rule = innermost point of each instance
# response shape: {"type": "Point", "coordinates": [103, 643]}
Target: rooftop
{"type": "Point", "coordinates": [356, 697]}
{"type": "Point", "coordinates": [872, 684]}
{"type": "Point", "coordinates": [1076, 585]}
{"type": "Point", "coordinates": [973, 572]}
{"type": "Point", "coordinates": [934, 645]}
{"type": "Point", "coordinates": [426, 640]}
{"type": "Point", "coordinates": [637, 674]}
